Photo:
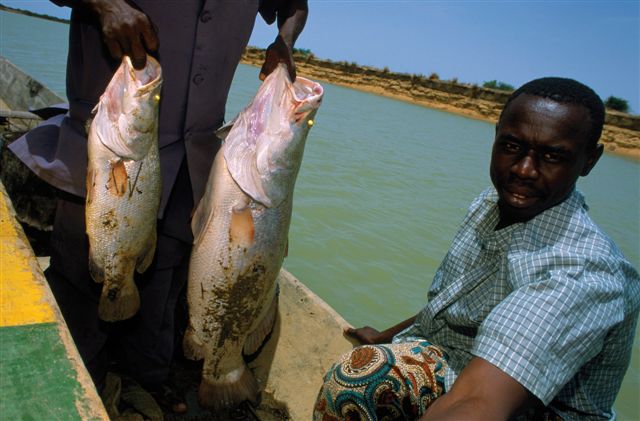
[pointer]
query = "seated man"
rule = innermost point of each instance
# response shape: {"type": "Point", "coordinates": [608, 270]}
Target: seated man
{"type": "Point", "coordinates": [533, 311]}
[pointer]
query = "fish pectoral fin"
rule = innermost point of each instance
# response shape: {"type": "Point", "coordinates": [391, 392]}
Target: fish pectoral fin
{"type": "Point", "coordinates": [262, 333]}
{"type": "Point", "coordinates": [241, 229]}
{"type": "Point", "coordinates": [145, 260]}
{"type": "Point", "coordinates": [119, 301]}
{"type": "Point", "coordinates": [118, 178]}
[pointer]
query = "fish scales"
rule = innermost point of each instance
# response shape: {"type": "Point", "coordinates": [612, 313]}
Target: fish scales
{"type": "Point", "coordinates": [123, 186]}
{"type": "Point", "coordinates": [240, 236]}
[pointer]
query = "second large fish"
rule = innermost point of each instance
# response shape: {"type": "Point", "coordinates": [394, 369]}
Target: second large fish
{"type": "Point", "coordinates": [240, 230]}
{"type": "Point", "coordinates": [123, 186]}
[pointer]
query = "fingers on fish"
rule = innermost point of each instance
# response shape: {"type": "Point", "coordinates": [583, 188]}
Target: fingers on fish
{"type": "Point", "coordinates": [238, 386]}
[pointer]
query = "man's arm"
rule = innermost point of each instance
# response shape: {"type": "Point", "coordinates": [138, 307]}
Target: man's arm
{"type": "Point", "coordinates": [481, 392]}
{"type": "Point", "coordinates": [125, 29]}
{"type": "Point", "coordinates": [292, 16]}
{"type": "Point", "coordinates": [368, 335]}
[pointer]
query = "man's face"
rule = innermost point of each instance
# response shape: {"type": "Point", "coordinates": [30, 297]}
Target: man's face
{"type": "Point", "coordinates": [540, 150]}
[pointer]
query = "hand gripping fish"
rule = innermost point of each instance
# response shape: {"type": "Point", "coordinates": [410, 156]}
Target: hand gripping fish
{"type": "Point", "coordinates": [123, 186]}
{"type": "Point", "coordinates": [240, 236]}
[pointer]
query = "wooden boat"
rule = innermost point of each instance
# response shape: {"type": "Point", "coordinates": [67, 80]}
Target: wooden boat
{"type": "Point", "coordinates": [306, 340]}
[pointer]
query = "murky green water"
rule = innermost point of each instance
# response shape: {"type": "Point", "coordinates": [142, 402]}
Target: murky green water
{"type": "Point", "coordinates": [382, 189]}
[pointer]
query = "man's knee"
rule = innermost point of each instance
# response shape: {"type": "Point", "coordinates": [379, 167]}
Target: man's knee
{"type": "Point", "coordinates": [396, 381]}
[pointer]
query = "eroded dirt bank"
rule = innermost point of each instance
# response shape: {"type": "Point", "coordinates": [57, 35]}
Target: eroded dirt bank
{"type": "Point", "coordinates": [621, 134]}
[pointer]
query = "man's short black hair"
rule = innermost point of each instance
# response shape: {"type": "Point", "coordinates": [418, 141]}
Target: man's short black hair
{"type": "Point", "coordinates": [566, 91]}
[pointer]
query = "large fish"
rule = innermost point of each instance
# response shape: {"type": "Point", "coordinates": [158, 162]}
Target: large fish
{"type": "Point", "coordinates": [123, 186]}
{"type": "Point", "coordinates": [240, 236]}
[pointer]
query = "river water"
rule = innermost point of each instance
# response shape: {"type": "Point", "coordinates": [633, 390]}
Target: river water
{"type": "Point", "coordinates": [382, 189]}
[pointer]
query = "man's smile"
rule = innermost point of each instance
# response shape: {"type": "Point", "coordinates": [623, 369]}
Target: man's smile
{"type": "Point", "coordinates": [519, 196]}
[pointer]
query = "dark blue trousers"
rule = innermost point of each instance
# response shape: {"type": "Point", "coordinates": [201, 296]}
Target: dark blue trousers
{"type": "Point", "coordinates": [143, 346]}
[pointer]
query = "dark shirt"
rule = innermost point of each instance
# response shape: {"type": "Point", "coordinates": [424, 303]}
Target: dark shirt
{"type": "Point", "coordinates": [200, 44]}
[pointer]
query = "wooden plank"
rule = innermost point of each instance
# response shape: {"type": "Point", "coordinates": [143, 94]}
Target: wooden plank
{"type": "Point", "coordinates": [41, 373]}
{"type": "Point", "coordinates": [22, 294]}
{"type": "Point", "coordinates": [37, 381]}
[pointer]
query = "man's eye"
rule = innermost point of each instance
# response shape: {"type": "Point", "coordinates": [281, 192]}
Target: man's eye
{"type": "Point", "coordinates": [511, 147]}
{"type": "Point", "coordinates": [551, 157]}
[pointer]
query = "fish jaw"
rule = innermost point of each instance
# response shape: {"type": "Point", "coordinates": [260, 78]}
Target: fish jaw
{"type": "Point", "coordinates": [265, 146]}
{"type": "Point", "coordinates": [130, 106]}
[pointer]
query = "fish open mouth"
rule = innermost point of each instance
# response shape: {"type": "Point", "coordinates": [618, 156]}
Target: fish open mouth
{"type": "Point", "coordinates": [307, 93]}
{"type": "Point", "coordinates": [308, 97]}
{"type": "Point", "coordinates": [147, 78]}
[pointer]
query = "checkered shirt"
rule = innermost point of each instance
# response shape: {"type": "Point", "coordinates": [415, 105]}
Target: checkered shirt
{"type": "Point", "coordinates": [552, 302]}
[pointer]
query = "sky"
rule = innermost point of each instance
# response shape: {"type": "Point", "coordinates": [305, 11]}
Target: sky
{"type": "Point", "coordinates": [594, 42]}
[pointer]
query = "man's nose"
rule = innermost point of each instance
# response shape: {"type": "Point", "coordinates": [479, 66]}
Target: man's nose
{"type": "Point", "coordinates": [527, 165]}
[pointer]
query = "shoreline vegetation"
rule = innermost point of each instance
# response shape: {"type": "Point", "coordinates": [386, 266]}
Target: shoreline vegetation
{"type": "Point", "coordinates": [620, 136]}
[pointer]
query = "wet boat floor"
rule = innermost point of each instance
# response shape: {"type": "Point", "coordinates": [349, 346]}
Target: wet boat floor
{"type": "Point", "coordinates": [186, 375]}
{"type": "Point", "coordinates": [125, 400]}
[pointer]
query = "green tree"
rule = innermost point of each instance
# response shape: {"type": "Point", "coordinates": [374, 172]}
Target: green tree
{"type": "Point", "coordinates": [305, 52]}
{"type": "Point", "coordinates": [495, 84]}
{"type": "Point", "coordinates": [618, 104]}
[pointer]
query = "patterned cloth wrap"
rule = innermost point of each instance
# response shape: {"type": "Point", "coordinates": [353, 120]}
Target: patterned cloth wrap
{"type": "Point", "coordinates": [382, 382]}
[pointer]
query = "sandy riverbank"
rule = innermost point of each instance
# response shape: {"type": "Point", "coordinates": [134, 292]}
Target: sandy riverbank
{"type": "Point", "coordinates": [617, 140]}
{"type": "Point", "coordinates": [621, 134]}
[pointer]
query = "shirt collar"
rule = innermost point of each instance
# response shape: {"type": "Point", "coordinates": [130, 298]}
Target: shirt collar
{"type": "Point", "coordinates": [499, 240]}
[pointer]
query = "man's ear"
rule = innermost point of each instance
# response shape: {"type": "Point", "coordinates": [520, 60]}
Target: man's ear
{"type": "Point", "coordinates": [593, 158]}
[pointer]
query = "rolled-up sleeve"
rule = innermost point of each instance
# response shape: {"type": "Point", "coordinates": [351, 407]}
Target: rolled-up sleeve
{"type": "Point", "coordinates": [546, 330]}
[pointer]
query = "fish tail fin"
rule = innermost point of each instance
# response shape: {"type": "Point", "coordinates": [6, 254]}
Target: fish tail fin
{"type": "Point", "coordinates": [260, 335]}
{"type": "Point", "coordinates": [145, 261]}
{"type": "Point", "coordinates": [236, 387]}
{"type": "Point", "coordinates": [119, 301]}
{"type": "Point", "coordinates": [192, 346]}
